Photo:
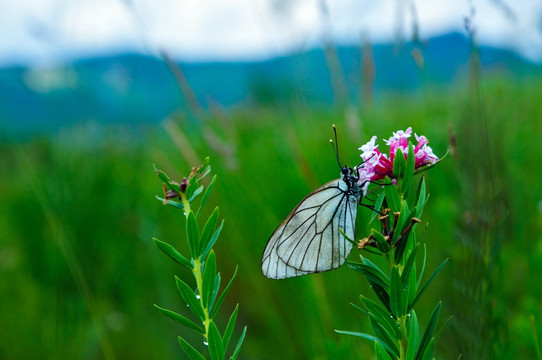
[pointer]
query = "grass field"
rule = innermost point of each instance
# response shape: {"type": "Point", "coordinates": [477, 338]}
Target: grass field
{"type": "Point", "coordinates": [80, 273]}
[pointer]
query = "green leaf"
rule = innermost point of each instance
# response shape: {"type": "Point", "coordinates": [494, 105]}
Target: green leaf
{"type": "Point", "coordinates": [372, 274]}
{"type": "Point", "coordinates": [413, 333]}
{"type": "Point", "coordinates": [429, 330]}
{"type": "Point", "coordinates": [381, 333]}
{"type": "Point", "coordinates": [166, 180]}
{"type": "Point", "coordinates": [204, 168]}
{"type": "Point", "coordinates": [381, 242]}
{"type": "Point", "coordinates": [215, 292]}
{"type": "Point", "coordinates": [396, 292]}
{"type": "Point", "coordinates": [402, 221]}
{"type": "Point", "coordinates": [409, 169]}
{"type": "Point", "coordinates": [206, 194]}
{"type": "Point", "coordinates": [192, 234]}
{"type": "Point", "coordinates": [439, 332]}
{"type": "Point", "coordinates": [381, 353]}
{"type": "Point", "coordinates": [173, 253]}
{"type": "Point", "coordinates": [428, 353]}
{"type": "Point", "coordinates": [180, 319]}
{"type": "Point", "coordinates": [196, 193]}
{"type": "Point", "coordinates": [190, 299]}
{"type": "Point", "coordinates": [428, 282]}
{"type": "Point", "coordinates": [378, 205]}
{"type": "Point", "coordinates": [229, 328]}
{"type": "Point", "coordinates": [223, 295]}
{"type": "Point", "coordinates": [423, 266]}
{"type": "Point", "coordinates": [192, 353]}
{"type": "Point", "coordinates": [409, 265]}
{"type": "Point", "coordinates": [421, 200]}
{"type": "Point", "coordinates": [383, 316]}
{"type": "Point", "coordinates": [209, 275]}
{"type": "Point", "coordinates": [173, 203]}
{"type": "Point", "coordinates": [382, 294]}
{"type": "Point", "coordinates": [412, 286]}
{"type": "Point", "coordinates": [191, 189]}
{"type": "Point", "coordinates": [212, 241]}
{"type": "Point", "coordinates": [239, 343]}
{"type": "Point", "coordinates": [392, 196]}
{"type": "Point", "coordinates": [369, 337]}
{"type": "Point", "coordinates": [208, 230]}
{"type": "Point", "coordinates": [399, 164]}
{"type": "Point", "coordinates": [216, 347]}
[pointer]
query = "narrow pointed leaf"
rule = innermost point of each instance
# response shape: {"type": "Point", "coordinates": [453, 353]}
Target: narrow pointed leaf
{"type": "Point", "coordinates": [428, 282]}
{"type": "Point", "coordinates": [229, 328]}
{"type": "Point", "coordinates": [189, 350]}
{"type": "Point", "coordinates": [208, 230]}
{"type": "Point", "coordinates": [173, 203]}
{"type": "Point", "coordinates": [421, 201]}
{"type": "Point", "coordinates": [378, 205]}
{"type": "Point", "coordinates": [173, 253]}
{"type": "Point", "coordinates": [206, 194]}
{"type": "Point", "coordinates": [429, 331]}
{"type": "Point", "coordinates": [380, 352]}
{"type": "Point", "coordinates": [239, 343]}
{"type": "Point", "coordinates": [190, 298]}
{"type": "Point", "coordinates": [223, 295]}
{"type": "Point", "coordinates": [216, 347]}
{"type": "Point", "coordinates": [399, 164]}
{"type": "Point", "coordinates": [409, 169]}
{"type": "Point", "coordinates": [209, 275]}
{"type": "Point", "coordinates": [198, 191]}
{"type": "Point", "coordinates": [396, 293]}
{"type": "Point", "coordinates": [180, 319]}
{"type": "Point", "coordinates": [428, 353]}
{"type": "Point", "coordinates": [381, 333]}
{"type": "Point", "coordinates": [413, 334]}
{"type": "Point", "coordinates": [215, 292]}
{"type": "Point", "coordinates": [212, 241]}
{"type": "Point", "coordinates": [383, 316]}
{"type": "Point", "coordinates": [439, 332]}
{"type": "Point", "coordinates": [192, 233]}
{"type": "Point", "coordinates": [368, 337]}
{"type": "Point", "coordinates": [392, 196]}
{"type": "Point", "coordinates": [409, 265]}
{"type": "Point", "coordinates": [370, 273]}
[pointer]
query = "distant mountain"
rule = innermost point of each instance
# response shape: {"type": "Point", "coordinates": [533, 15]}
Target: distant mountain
{"type": "Point", "coordinates": [133, 88]}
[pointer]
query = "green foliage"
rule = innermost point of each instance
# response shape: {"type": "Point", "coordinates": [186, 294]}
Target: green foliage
{"type": "Point", "coordinates": [394, 321]}
{"type": "Point", "coordinates": [201, 300]}
{"type": "Point", "coordinates": [90, 190]}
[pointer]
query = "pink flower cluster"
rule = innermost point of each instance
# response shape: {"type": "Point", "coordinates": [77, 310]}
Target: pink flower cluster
{"type": "Point", "coordinates": [377, 166]}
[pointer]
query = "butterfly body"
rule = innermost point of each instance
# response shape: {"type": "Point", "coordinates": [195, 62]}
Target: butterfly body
{"type": "Point", "coordinates": [308, 240]}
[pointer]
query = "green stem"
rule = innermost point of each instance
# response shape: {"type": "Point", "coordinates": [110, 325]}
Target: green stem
{"type": "Point", "coordinates": [403, 342]}
{"type": "Point", "coordinates": [198, 274]}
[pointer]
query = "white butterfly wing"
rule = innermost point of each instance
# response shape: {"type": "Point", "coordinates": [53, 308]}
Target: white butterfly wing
{"type": "Point", "coordinates": [308, 240]}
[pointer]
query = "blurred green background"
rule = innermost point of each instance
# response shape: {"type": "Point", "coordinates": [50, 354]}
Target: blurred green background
{"type": "Point", "coordinates": [80, 273]}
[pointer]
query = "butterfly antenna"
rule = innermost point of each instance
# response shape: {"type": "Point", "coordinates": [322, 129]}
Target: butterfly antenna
{"type": "Point", "coordinates": [336, 147]}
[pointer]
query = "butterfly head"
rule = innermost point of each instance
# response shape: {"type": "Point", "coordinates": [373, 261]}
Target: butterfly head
{"type": "Point", "coordinates": [349, 176]}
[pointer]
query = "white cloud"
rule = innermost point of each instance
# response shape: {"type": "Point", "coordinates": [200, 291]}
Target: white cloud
{"type": "Point", "coordinates": [40, 31]}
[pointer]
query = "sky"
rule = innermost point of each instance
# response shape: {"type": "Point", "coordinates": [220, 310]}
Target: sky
{"type": "Point", "coordinates": [45, 32]}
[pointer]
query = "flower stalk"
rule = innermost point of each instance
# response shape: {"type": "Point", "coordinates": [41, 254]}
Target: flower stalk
{"type": "Point", "coordinates": [204, 301]}
{"type": "Point", "coordinates": [399, 206]}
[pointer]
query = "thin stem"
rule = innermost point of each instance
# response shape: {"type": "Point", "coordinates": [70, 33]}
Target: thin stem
{"type": "Point", "coordinates": [403, 342]}
{"type": "Point", "coordinates": [198, 274]}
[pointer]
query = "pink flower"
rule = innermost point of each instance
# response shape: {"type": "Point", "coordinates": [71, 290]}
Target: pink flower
{"type": "Point", "coordinates": [377, 166]}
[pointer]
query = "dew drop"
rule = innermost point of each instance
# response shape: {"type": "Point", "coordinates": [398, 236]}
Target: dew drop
{"type": "Point", "coordinates": [197, 296]}
{"type": "Point", "coordinates": [205, 342]}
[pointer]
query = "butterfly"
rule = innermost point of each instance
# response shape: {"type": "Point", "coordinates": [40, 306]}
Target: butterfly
{"type": "Point", "coordinates": [309, 241]}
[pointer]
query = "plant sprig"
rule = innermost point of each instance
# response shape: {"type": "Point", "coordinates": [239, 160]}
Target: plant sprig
{"type": "Point", "coordinates": [398, 287]}
{"type": "Point", "coordinates": [204, 301]}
